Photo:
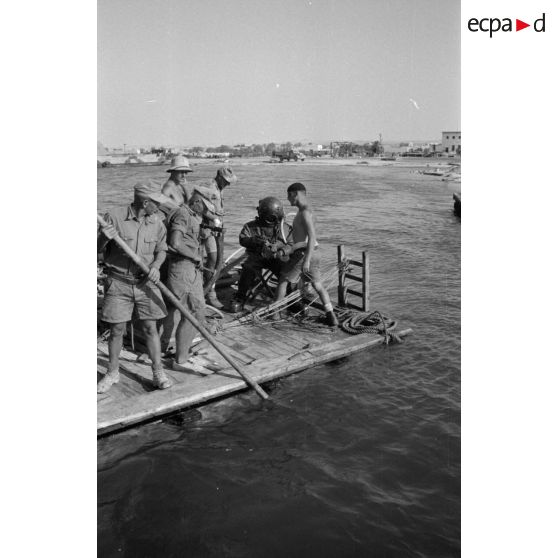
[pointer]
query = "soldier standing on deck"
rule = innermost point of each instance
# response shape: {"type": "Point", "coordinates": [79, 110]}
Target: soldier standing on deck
{"type": "Point", "coordinates": [185, 277]}
{"type": "Point", "coordinates": [176, 187]}
{"type": "Point", "coordinates": [213, 242]}
{"type": "Point", "coordinates": [126, 288]}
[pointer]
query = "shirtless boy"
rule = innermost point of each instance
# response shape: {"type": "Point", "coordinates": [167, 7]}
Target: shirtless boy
{"type": "Point", "coordinates": [304, 260]}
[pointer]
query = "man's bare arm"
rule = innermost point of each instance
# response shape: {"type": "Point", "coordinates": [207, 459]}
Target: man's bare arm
{"type": "Point", "coordinates": [308, 224]}
{"type": "Point", "coordinates": [169, 191]}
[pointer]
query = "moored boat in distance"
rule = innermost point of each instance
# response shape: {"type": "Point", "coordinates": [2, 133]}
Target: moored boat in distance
{"type": "Point", "coordinates": [457, 204]}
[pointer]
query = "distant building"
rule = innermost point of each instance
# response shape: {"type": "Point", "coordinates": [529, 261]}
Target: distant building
{"type": "Point", "coordinates": [451, 142]}
{"type": "Point", "coordinates": [313, 150]}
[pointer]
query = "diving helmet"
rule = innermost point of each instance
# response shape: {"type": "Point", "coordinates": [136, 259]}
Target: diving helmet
{"type": "Point", "coordinates": [270, 210]}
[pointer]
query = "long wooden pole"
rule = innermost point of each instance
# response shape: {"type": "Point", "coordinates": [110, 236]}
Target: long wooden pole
{"type": "Point", "coordinates": [168, 294]}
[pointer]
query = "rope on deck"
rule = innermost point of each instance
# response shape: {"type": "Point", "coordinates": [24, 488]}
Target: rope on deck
{"type": "Point", "coordinates": [351, 321]}
{"type": "Point", "coordinates": [370, 322]}
{"type": "Point", "coordinates": [271, 310]}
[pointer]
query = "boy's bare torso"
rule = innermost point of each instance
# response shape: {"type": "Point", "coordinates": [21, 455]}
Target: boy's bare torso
{"type": "Point", "coordinates": [300, 231]}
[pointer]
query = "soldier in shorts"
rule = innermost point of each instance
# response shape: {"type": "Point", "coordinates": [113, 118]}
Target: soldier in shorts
{"type": "Point", "coordinates": [213, 190]}
{"type": "Point", "coordinates": [185, 277]}
{"type": "Point", "coordinates": [304, 261]}
{"type": "Point", "coordinates": [127, 289]}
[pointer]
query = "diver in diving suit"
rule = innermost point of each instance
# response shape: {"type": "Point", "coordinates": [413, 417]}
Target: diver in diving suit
{"type": "Point", "coordinates": [267, 242]}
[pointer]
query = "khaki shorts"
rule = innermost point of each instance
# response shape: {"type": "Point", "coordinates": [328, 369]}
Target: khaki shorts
{"type": "Point", "coordinates": [122, 299]}
{"type": "Point", "coordinates": [185, 280]}
{"type": "Point", "coordinates": [292, 271]}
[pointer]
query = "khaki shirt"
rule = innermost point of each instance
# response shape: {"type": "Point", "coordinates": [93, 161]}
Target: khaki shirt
{"type": "Point", "coordinates": [145, 236]}
{"type": "Point", "coordinates": [216, 196]}
{"type": "Point", "coordinates": [187, 223]}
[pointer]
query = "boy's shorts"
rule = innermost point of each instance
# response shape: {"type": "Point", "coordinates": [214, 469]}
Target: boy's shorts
{"type": "Point", "coordinates": [292, 271]}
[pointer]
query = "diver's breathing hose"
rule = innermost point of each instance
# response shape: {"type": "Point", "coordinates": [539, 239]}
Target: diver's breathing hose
{"type": "Point", "coordinates": [229, 258]}
{"type": "Point", "coordinates": [282, 231]}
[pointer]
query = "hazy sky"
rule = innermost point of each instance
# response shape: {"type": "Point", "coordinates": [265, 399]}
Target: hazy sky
{"type": "Point", "coordinates": [209, 72]}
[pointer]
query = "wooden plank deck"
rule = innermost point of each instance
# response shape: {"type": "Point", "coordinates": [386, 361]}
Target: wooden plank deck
{"type": "Point", "coordinates": [267, 351]}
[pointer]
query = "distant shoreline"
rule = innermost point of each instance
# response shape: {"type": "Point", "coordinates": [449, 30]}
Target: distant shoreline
{"type": "Point", "coordinates": [309, 161]}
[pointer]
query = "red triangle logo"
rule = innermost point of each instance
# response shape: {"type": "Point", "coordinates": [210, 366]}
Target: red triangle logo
{"type": "Point", "coordinates": [519, 25]}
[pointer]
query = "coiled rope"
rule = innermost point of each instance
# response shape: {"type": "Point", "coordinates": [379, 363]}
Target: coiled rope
{"type": "Point", "coordinates": [370, 322]}
{"type": "Point", "coordinates": [351, 321]}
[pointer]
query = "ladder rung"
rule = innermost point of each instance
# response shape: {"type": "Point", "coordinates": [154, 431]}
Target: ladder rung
{"type": "Point", "coordinates": [353, 277]}
{"type": "Point", "coordinates": [353, 292]}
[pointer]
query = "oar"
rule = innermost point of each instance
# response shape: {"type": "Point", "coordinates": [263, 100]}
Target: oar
{"type": "Point", "coordinates": [168, 294]}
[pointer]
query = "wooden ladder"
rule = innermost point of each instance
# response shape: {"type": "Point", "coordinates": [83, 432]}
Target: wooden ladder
{"type": "Point", "coordinates": [343, 290]}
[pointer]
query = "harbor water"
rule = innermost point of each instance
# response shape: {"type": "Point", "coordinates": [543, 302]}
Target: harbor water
{"type": "Point", "coordinates": [360, 457]}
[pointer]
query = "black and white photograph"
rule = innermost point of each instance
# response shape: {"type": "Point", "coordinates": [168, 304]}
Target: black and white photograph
{"type": "Point", "coordinates": [279, 210]}
{"type": "Point", "coordinates": [301, 348]}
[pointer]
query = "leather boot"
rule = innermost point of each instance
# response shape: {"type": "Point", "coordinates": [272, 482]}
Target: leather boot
{"type": "Point", "coordinates": [212, 300]}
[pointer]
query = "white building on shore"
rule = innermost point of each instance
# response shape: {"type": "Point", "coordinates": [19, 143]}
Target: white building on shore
{"type": "Point", "coordinates": [451, 142]}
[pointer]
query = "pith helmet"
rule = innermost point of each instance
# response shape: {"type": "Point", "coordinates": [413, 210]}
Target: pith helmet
{"type": "Point", "coordinates": [180, 163]}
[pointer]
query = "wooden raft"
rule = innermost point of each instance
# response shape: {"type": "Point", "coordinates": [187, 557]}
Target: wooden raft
{"type": "Point", "coordinates": [266, 351]}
